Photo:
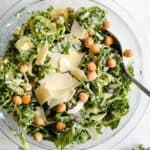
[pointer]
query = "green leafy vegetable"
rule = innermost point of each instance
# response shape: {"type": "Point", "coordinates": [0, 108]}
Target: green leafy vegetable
{"type": "Point", "coordinates": [107, 100]}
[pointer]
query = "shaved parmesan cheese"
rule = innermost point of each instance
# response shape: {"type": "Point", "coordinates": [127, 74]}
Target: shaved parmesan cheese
{"type": "Point", "coordinates": [58, 81]}
{"type": "Point", "coordinates": [55, 59]}
{"type": "Point", "coordinates": [65, 62]}
{"type": "Point", "coordinates": [56, 88]}
{"type": "Point", "coordinates": [79, 74]}
{"type": "Point", "coordinates": [77, 108]}
{"type": "Point", "coordinates": [61, 96]}
{"type": "Point", "coordinates": [92, 132]}
{"type": "Point", "coordinates": [74, 58]}
{"type": "Point", "coordinates": [24, 44]}
{"type": "Point", "coordinates": [42, 54]}
{"type": "Point", "coordinates": [42, 93]}
{"type": "Point", "coordinates": [64, 65]}
{"type": "Point", "coordinates": [77, 30]}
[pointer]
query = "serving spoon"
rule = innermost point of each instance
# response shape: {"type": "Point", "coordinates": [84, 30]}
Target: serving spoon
{"type": "Point", "coordinates": [119, 48]}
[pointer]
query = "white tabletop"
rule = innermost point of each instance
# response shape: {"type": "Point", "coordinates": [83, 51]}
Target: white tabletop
{"type": "Point", "coordinates": [140, 10]}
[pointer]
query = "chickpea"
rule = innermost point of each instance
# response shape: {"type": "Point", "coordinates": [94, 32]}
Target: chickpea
{"type": "Point", "coordinates": [17, 100]}
{"type": "Point", "coordinates": [24, 68]}
{"type": "Point", "coordinates": [61, 107]}
{"type": "Point", "coordinates": [111, 63]}
{"type": "Point", "coordinates": [92, 76]}
{"type": "Point", "coordinates": [128, 53]}
{"type": "Point", "coordinates": [91, 66]}
{"type": "Point", "coordinates": [27, 87]}
{"type": "Point", "coordinates": [26, 99]}
{"type": "Point", "coordinates": [106, 24]}
{"type": "Point", "coordinates": [38, 121]}
{"type": "Point", "coordinates": [38, 136]}
{"type": "Point", "coordinates": [60, 126]}
{"type": "Point", "coordinates": [88, 42]}
{"type": "Point", "coordinates": [95, 48]}
{"type": "Point", "coordinates": [83, 96]}
{"type": "Point", "coordinates": [109, 40]}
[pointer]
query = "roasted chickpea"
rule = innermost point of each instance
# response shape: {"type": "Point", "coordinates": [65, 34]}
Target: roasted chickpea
{"type": "Point", "coordinates": [60, 126]}
{"type": "Point", "coordinates": [92, 76]}
{"type": "Point", "coordinates": [95, 48]}
{"type": "Point", "coordinates": [91, 66]}
{"type": "Point", "coordinates": [26, 99]}
{"type": "Point", "coordinates": [38, 136]}
{"type": "Point", "coordinates": [108, 40]}
{"type": "Point", "coordinates": [27, 87]}
{"type": "Point", "coordinates": [111, 63]}
{"type": "Point", "coordinates": [61, 107]}
{"type": "Point", "coordinates": [24, 68]}
{"type": "Point", "coordinates": [128, 53]}
{"type": "Point", "coordinates": [88, 42]}
{"type": "Point", "coordinates": [38, 121]}
{"type": "Point", "coordinates": [106, 24]}
{"type": "Point", "coordinates": [17, 100]}
{"type": "Point", "coordinates": [83, 97]}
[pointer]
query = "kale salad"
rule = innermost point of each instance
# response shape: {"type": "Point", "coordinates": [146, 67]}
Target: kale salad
{"type": "Point", "coordinates": [62, 77]}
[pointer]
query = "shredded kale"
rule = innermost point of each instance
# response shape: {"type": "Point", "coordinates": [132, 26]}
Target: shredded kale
{"type": "Point", "coordinates": [108, 94]}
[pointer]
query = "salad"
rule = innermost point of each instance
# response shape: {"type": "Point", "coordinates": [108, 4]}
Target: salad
{"type": "Point", "coordinates": [62, 77]}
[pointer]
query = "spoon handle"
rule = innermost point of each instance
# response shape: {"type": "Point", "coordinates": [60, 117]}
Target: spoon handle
{"type": "Point", "coordinates": [138, 84]}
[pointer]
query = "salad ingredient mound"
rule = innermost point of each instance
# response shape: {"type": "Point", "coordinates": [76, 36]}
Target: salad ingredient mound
{"type": "Point", "coordinates": [62, 76]}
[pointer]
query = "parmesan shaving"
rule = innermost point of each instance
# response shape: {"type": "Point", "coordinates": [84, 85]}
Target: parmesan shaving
{"type": "Point", "coordinates": [64, 65]}
{"type": "Point", "coordinates": [65, 62]}
{"type": "Point", "coordinates": [77, 30]}
{"type": "Point", "coordinates": [42, 54]}
{"type": "Point", "coordinates": [42, 93]}
{"type": "Point", "coordinates": [61, 96]}
{"type": "Point", "coordinates": [56, 88]}
{"type": "Point", "coordinates": [79, 74]}
{"type": "Point", "coordinates": [58, 81]}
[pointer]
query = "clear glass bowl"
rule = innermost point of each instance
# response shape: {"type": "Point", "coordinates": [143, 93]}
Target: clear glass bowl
{"type": "Point", "coordinates": [122, 26]}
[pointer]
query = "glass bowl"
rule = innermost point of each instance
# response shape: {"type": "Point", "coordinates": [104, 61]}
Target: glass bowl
{"type": "Point", "coordinates": [123, 27]}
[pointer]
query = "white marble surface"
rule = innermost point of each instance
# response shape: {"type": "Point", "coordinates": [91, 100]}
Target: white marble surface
{"type": "Point", "coordinates": [141, 135]}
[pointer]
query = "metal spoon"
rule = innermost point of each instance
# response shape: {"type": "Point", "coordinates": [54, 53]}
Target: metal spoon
{"type": "Point", "coordinates": [119, 47]}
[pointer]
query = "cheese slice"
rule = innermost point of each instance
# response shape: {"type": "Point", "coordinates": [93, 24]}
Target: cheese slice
{"type": "Point", "coordinates": [65, 62]}
{"type": "Point", "coordinates": [60, 96]}
{"type": "Point", "coordinates": [58, 81]}
{"type": "Point", "coordinates": [78, 74]}
{"type": "Point", "coordinates": [42, 54]}
{"type": "Point", "coordinates": [74, 58]}
{"type": "Point", "coordinates": [77, 30]}
{"type": "Point", "coordinates": [42, 94]}
{"type": "Point", "coordinates": [64, 65]}
{"type": "Point", "coordinates": [56, 88]}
